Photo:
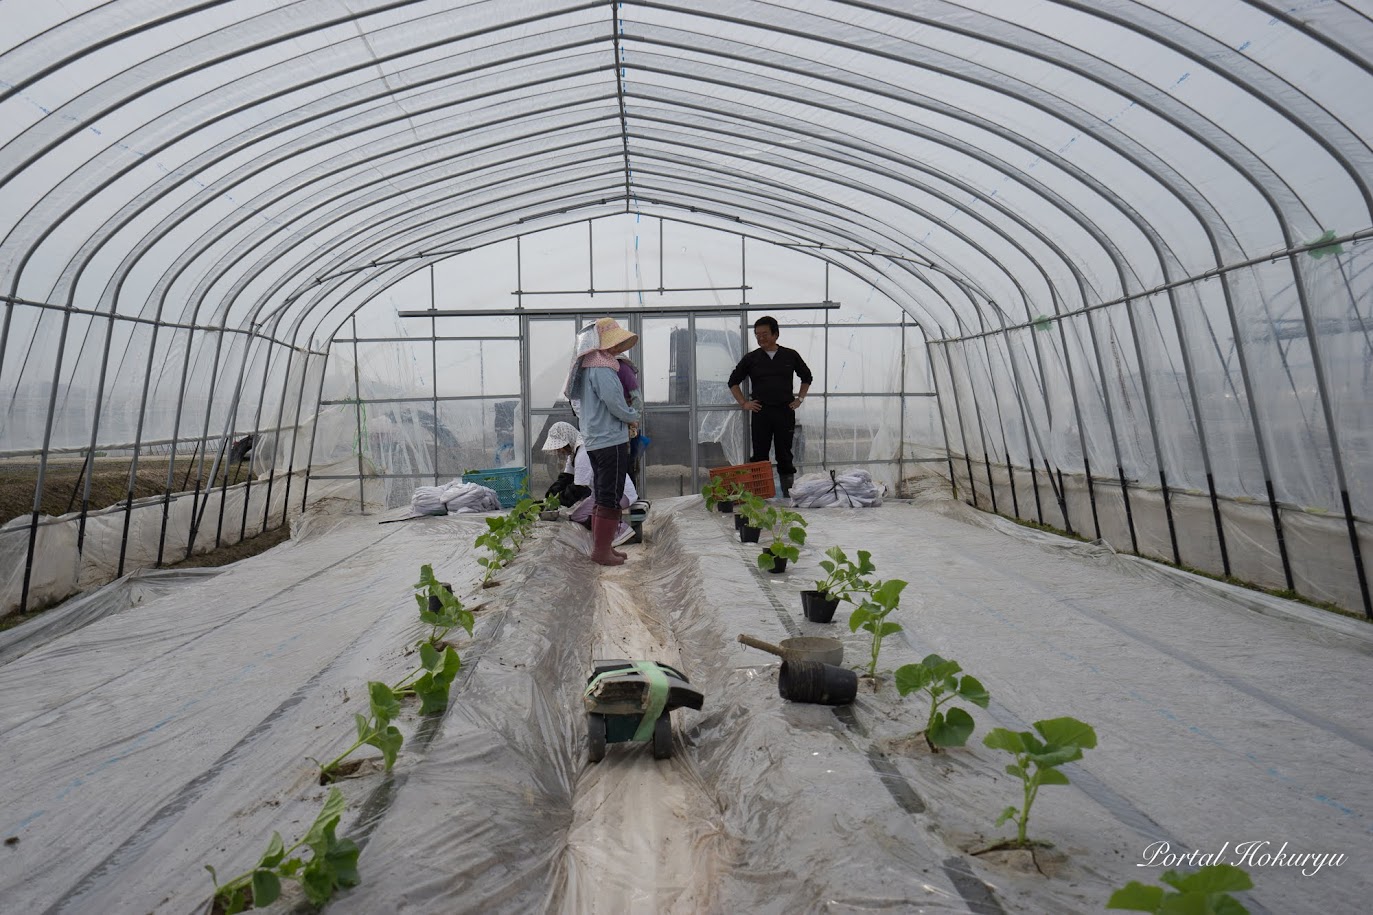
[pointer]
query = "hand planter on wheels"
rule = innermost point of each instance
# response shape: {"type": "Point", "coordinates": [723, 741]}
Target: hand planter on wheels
{"type": "Point", "coordinates": [630, 701]}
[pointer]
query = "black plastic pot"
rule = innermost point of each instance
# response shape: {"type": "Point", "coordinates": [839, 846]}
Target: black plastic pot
{"type": "Point", "coordinates": [435, 605]}
{"type": "Point", "coordinates": [725, 506]}
{"type": "Point", "coordinates": [821, 684]}
{"type": "Point", "coordinates": [779, 565]}
{"type": "Point", "coordinates": [749, 534]}
{"type": "Point", "coordinates": [739, 521]}
{"type": "Point", "coordinates": [816, 608]}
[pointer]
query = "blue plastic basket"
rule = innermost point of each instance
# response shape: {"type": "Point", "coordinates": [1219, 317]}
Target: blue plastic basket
{"type": "Point", "coordinates": [510, 484]}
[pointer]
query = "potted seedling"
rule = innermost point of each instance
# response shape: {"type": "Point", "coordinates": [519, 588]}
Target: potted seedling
{"type": "Point", "coordinates": [1037, 758]}
{"type": "Point", "coordinates": [843, 578]}
{"type": "Point", "coordinates": [549, 510]}
{"type": "Point", "coordinates": [871, 615]}
{"type": "Point", "coordinates": [938, 678]}
{"type": "Point", "coordinates": [788, 532]}
{"type": "Point", "coordinates": [333, 864]}
{"type": "Point", "coordinates": [718, 495]}
{"type": "Point", "coordinates": [751, 509]}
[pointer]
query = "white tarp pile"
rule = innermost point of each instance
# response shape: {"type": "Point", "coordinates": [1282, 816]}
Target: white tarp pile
{"type": "Point", "coordinates": [846, 489]}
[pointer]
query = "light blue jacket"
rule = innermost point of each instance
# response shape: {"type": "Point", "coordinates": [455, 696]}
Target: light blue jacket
{"type": "Point", "coordinates": [604, 411]}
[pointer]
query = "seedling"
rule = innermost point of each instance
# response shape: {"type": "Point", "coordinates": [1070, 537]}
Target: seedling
{"type": "Point", "coordinates": [493, 541]}
{"type": "Point", "coordinates": [939, 679]}
{"type": "Point", "coordinates": [844, 577]}
{"type": "Point", "coordinates": [788, 530]}
{"type": "Point", "coordinates": [433, 680]}
{"type": "Point", "coordinates": [1202, 892]}
{"type": "Point", "coordinates": [450, 614]}
{"type": "Point", "coordinates": [1037, 761]}
{"type": "Point", "coordinates": [551, 503]}
{"type": "Point", "coordinates": [718, 490]}
{"type": "Point", "coordinates": [375, 730]}
{"type": "Point", "coordinates": [872, 615]}
{"type": "Point", "coordinates": [334, 864]}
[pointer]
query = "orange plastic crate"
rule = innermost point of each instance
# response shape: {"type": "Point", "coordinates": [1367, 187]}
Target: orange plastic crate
{"type": "Point", "coordinates": [755, 477]}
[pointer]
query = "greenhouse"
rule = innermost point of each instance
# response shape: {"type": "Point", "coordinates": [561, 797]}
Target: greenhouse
{"type": "Point", "coordinates": [294, 295]}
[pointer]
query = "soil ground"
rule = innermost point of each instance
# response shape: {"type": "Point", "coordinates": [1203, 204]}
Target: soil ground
{"type": "Point", "coordinates": [64, 482]}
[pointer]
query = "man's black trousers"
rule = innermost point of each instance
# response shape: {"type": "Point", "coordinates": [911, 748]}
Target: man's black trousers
{"type": "Point", "coordinates": [773, 428]}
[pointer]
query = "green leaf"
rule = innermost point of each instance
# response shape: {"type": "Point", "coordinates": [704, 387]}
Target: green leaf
{"type": "Point", "coordinates": [1016, 770]}
{"type": "Point", "coordinates": [388, 742]}
{"type": "Point", "coordinates": [318, 881]}
{"type": "Point", "coordinates": [385, 705]}
{"type": "Point", "coordinates": [888, 594]}
{"type": "Point", "coordinates": [887, 629]}
{"type": "Point", "coordinates": [1185, 904]}
{"type": "Point", "coordinates": [334, 805]}
{"type": "Point", "coordinates": [1136, 897]}
{"type": "Point", "coordinates": [1056, 756]}
{"type": "Point", "coordinates": [276, 850]}
{"type": "Point", "coordinates": [911, 677]}
{"type": "Point", "coordinates": [1002, 739]}
{"type": "Point", "coordinates": [973, 691]}
{"type": "Point", "coordinates": [859, 616]}
{"type": "Point", "coordinates": [797, 535]}
{"type": "Point", "coordinates": [363, 725]}
{"type": "Point", "coordinates": [290, 867]}
{"type": "Point", "coordinates": [1010, 813]}
{"type": "Point", "coordinates": [1067, 732]}
{"type": "Point", "coordinates": [951, 728]}
{"type": "Point", "coordinates": [429, 656]}
{"type": "Point", "coordinates": [343, 857]}
{"type": "Point", "coordinates": [1051, 777]}
{"type": "Point", "coordinates": [266, 888]}
{"type": "Point", "coordinates": [1215, 878]}
{"type": "Point", "coordinates": [865, 565]}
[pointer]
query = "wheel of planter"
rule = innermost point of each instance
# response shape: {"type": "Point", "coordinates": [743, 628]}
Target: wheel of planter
{"type": "Point", "coordinates": [662, 737]}
{"type": "Point", "coordinates": [595, 737]}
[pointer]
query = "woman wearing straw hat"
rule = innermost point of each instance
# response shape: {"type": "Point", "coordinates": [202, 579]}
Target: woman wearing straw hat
{"type": "Point", "coordinates": [598, 397]}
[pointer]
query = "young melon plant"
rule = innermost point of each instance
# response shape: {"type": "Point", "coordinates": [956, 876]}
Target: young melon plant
{"type": "Point", "coordinates": [375, 730]}
{"type": "Point", "coordinates": [333, 865]}
{"type": "Point", "coordinates": [1202, 892]}
{"type": "Point", "coordinates": [939, 679]}
{"type": "Point", "coordinates": [844, 577]}
{"type": "Point", "coordinates": [1037, 758]}
{"type": "Point", "coordinates": [450, 614]}
{"type": "Point", "coordinates": [498, 528]}
{"type": "Point", "coordinates": [882, 599]}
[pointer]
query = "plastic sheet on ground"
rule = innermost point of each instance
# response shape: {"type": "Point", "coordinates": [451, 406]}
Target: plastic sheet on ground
{"type": "Point", "coordinates": [178, 732]}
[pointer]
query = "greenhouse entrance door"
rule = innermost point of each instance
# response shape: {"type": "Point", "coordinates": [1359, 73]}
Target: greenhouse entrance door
{"type": "Point", "coordinates": [690, 417]}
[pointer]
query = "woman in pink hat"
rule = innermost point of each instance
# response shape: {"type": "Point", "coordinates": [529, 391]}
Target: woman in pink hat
{"type": "Point", "coordinates": [598, 397]}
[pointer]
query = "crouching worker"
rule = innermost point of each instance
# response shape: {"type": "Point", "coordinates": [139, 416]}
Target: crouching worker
{"type": "Point", "coordinates": [564, 440]}
{"type": "Point", "coordinates": [573, 486]}
{"type": "Point", "coordinates": [598, 398]}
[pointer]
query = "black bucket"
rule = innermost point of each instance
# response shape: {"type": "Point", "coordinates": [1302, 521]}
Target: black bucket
{"type": "Point", "coordinates": [822, 684]}
{"type": "Point", "coordinates": [436, 605]}
{"type": "Point", "coordinates": [816, 608]}
{"type": "Point", "coordinates": [749, 534]}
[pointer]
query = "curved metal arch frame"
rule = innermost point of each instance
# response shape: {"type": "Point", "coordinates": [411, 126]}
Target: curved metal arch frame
{"type": "Point", "coordinates": [1297, 272]}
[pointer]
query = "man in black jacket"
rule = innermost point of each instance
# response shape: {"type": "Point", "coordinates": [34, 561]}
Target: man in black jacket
{"type": "Point", "coordinates": [769, 369]}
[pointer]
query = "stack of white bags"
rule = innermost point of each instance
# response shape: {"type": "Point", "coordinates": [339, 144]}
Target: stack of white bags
{"type": "Point", "coordinates": [455, 496]}
{"type": "Point", "coordinates": [847, 489]}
